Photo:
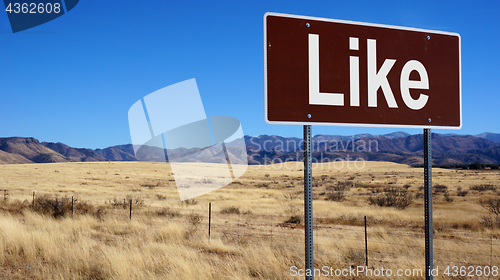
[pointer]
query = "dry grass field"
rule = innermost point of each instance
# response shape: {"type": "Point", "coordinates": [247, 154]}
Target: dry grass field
{"type": "Point", "coordinates": [256, 230]}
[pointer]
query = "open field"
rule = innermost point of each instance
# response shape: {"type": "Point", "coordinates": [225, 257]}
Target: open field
{"type": "Point", "coordinates": [254, 233]}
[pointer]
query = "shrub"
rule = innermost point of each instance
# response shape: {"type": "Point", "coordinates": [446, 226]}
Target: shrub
{"type": "Point", "coordinates": [447, 197]}
{"type": "Point", "coordinates": [295, 219]}
{"type": "Point", "coordinates": [51, 206]}
{"type": "Point", "coordinates": [14, 206]}
{"type": "Point", "coordinates": [190, 201]}
{"type": "Point", "coordinates": [492, 205]}
{"type": "Point", "coordinates": [230, 210]}
{"type": "Point", "coordinates": [483, 187]}
{"type": "Point", "coordinates": [264, 185]}
{"type": "Point", "coordinates": [60, 207]}
{"type": "Point", "coordinates": [125, 203]}
{"type": "Point", "coordinates": [115, 203]}
{"type": "Point", "coordinates": [161, 196]}
{"type": "Point", "coordinates": [194, 220]}
{"type": "Point", "coordinates": [392, 197]}
{"type": "Point", "coordinates": [490, 222]}
{"type": "Point", "coordinates": [440, 188]}
{"type": "Point", "coordinates": [167, 212]}
{"type": "Point", "coordinates": [475, 166]}
{"type": "Point", "coordinates": [338, 196]}
{"type": "Point", "coordinates": [462, 193]}
{"type": "Point", "coordinates": [342, 186]}
{"type": "Point", "coordinates": [82, 207]}
{"type": "Point", "coordinates": [345, 185]}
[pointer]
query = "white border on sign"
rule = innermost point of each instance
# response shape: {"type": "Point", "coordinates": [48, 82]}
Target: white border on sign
{"type": "Point", "coordinates": [365, 24]}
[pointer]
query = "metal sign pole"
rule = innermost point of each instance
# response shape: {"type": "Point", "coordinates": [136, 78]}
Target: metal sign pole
{"type": "Point", "coordinates": [428, 203]}
{"type": "Point", "coordinates": [308, 207]}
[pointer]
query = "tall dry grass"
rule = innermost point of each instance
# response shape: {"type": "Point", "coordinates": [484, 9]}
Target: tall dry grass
{"type": "Point", "coordinates": [165, 240]}
{"type": "Point", "coordinates": [39, 247]}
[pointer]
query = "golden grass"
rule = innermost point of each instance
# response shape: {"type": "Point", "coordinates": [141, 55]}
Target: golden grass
{"type": "Point", "coordinates": [162, 242]}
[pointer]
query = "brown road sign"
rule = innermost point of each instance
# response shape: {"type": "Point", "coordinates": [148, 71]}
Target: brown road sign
{"type": "Point", "coordinates": [331, 72]}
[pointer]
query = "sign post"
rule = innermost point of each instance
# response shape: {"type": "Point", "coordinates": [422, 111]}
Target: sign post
{"type": "Point", "coordinates": [428, 203]}
{"type": "Point", "coordinates": [308, 201]}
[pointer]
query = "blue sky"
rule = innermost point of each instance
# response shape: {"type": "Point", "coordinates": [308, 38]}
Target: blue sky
{"type": "Point", "coordinates": [73, 79]}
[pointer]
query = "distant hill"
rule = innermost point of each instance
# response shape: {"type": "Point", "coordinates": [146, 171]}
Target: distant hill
{"type": "Point", "coordinates": [117, 153]}
{"type": "Point", "coordinates": [400, 147]}
{"type": "Point", "coordinates": [8, 158]}
{"type": "Point", "coordinates": [73, 154]}
{"type": "Point", "coordinates": [30, 149]}
{"type": "Point", "coordinates": [490, 153]}
{"type": "Point", "coordinates": [446, 150]}
{"type": "Point", "coordinates": [495, 137]}
{"type": "Point", "coordinates": [440, 144]}
{"type": "Point", "coordinates": [395, 135]}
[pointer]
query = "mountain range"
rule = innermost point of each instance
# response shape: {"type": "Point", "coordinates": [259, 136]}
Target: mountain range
{"type": "Point", "coordinates": [400, 147]}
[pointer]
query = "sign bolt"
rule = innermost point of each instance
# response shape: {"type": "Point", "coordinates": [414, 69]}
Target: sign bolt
{"type": "Point", "coordinates": [428, 37]}
{"type": "Point", "coordinates": [307, 24]}
{"type": "Point", "coordinates": [429, 119]}
{"type": "Point", "coordinates": [309, 116]}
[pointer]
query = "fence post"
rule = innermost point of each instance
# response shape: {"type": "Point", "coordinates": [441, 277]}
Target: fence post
{"type": "Point", "coordinates": [72, 206]}
{"type": "Point", "coordinates": [131, 209]}
{"type": "Point", "coordinates": [209, 218]}
{"type": "Point", "coordinates": [33, 204]}
{"type": "Point", "coordinates": [366, 245]}
{"type": "Point", "coordinates": [4, 194]}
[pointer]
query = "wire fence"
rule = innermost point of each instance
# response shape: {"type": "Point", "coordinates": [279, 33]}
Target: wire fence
{"type": "Point", "coordinates": [373, 243]}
